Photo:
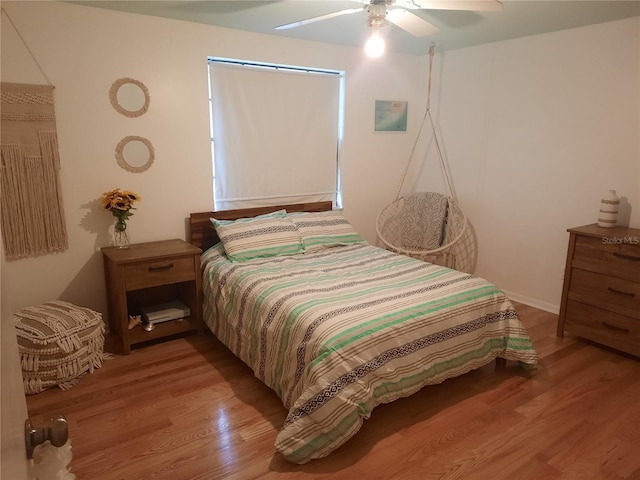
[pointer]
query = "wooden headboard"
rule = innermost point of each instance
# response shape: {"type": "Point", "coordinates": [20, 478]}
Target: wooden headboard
{"type": "Point", "coordinates": [203, 235]}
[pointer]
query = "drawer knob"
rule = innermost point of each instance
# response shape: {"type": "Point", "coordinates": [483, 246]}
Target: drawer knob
{"type": "Point", "coordinates": [620, 292]}
{"type": "Point", "coordinates": [161, 268]}
{"type": "Point", "coordinates": [613, 327]}
{"type": "Point", "coordinates": [633, 258]}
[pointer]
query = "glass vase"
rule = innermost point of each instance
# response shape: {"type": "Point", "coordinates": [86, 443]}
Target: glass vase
{"type": "Point", "coordinates": [120, 234]}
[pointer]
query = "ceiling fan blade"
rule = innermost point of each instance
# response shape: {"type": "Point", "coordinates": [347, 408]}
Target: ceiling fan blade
{"type": "Point", "coordinates": [413, 24]}
{"type": "Point", "coordinates": [319, 18]}
{"type": "Point", "coordinates": [471, 5]}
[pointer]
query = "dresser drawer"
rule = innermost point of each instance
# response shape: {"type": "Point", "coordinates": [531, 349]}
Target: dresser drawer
{"type": "Point", "coordinates": [617, 259]}
{"type": "Point", "coordinates": [159, 272]}
{"type": "Point", "coordinates": [602, 326]}
{"type": "Point", "coordinates": [607, 292]}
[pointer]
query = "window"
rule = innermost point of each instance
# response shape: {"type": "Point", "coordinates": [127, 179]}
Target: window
{"type": "Point", "coordinates": [276, 133]}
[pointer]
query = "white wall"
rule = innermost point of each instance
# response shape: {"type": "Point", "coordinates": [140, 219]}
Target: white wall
{"type": "Point", "coordinates": [535, 131]}
{"type": "Point", "coordinates": [82, 50]}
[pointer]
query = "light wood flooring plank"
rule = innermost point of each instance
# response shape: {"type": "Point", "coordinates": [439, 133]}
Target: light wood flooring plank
{"type": "Point", "coordinates": [188, 409]}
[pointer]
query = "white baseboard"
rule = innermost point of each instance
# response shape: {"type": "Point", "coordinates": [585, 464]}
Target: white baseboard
{"type": "Point", "coordinates": [533, 302]}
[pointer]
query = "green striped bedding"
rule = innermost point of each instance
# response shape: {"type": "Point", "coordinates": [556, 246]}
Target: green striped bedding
{"type": "Point", "coordinates": [338, 332]}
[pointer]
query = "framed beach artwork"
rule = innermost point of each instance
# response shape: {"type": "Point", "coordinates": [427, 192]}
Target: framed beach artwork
{"type": "Point", "coordinates": [390, 116]}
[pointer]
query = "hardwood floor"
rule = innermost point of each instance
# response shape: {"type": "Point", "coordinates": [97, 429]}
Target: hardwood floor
{"type": "Point", "coordinates": [188, 409]}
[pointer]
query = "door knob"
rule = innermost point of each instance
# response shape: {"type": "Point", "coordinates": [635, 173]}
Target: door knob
{"type": "Point", "coordinates": [57, 433]}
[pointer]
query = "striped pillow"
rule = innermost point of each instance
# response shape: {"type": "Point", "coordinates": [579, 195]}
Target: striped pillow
{"type": "Point", "coordinates": [320, 230]}
{"type": "Point", "coordinates": [267, 235]}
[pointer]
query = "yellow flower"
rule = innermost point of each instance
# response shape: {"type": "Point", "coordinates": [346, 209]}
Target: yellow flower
{"type": "Point", "coordinates": [120, 203]}
{"type": "Point", "coordinates": [132, 196]}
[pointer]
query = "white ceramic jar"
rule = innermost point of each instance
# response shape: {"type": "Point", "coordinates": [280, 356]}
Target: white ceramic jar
{"type": "Point", "coordinates": [609, 207]}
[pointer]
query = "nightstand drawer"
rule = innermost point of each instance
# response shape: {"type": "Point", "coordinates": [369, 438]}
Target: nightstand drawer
{"type": "Point", "coordinates": [607, 292]}
{"type": "Point", "coordinates": [596, 255]}
{"type": "Point", "coordinates": [608, 328]}
{"type": "Point", "coordinates": [160, 272]}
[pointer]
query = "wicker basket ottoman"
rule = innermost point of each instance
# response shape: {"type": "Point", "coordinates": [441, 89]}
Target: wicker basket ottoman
{"type": "Point", "coordinates": [58, 341]}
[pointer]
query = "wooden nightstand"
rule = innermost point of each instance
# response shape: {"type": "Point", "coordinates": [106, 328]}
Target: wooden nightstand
{"type": "Point", "coordinates": [601, 293]}
{"type": "Point", "coordinates": [147, 274]}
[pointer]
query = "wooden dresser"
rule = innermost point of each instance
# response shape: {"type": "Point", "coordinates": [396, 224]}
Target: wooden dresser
{"type": "Point", "coordinates": [601, 293]}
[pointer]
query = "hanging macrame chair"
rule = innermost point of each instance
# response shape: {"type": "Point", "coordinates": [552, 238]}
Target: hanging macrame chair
{"type": "Point", "coordinates": [429, 226]}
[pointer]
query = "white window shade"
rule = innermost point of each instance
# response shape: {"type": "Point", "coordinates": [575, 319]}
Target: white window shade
{"type": "Point", "coordinates": [276, 135]}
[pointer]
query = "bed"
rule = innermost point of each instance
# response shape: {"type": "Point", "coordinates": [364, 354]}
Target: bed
{"type": "Point", "coordinates": [336, 326]}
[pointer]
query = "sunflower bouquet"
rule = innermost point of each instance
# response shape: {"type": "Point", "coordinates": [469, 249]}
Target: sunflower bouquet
{"type": "Point", "coordinates": [120, 203]}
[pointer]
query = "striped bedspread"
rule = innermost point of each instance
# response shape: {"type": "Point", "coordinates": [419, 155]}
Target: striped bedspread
{"type": "Point", "coordinates": [338, 332]}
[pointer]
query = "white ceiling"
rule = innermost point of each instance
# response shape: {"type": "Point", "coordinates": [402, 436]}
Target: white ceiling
{"type": "Point", "coordinates": [458, 29]}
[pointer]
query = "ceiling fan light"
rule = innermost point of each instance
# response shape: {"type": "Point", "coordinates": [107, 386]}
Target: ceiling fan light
{"type": "Point", "coordinates": [375, 46]}
{"type": "Point", "coordinates": [377, 17]}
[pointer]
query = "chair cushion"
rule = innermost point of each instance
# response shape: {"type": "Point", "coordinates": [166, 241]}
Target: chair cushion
{"type": "Point", "coordinates": [58, 341]}
{"type": "Point", "coordinates": [424, 217]}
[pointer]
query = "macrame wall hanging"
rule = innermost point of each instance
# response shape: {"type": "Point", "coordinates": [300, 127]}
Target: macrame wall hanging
{"type": "Point", "coordinates": [31, 200]}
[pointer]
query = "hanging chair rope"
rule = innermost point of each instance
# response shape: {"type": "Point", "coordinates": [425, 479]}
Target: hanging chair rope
{"type": "Point", "coordinates": [397, 225]}
{"type": "Point", "coordinates": [427, 114]}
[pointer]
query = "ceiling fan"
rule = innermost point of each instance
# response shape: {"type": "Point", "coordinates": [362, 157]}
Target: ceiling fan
{"type": "Point", "coordinates": [381, 12]}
